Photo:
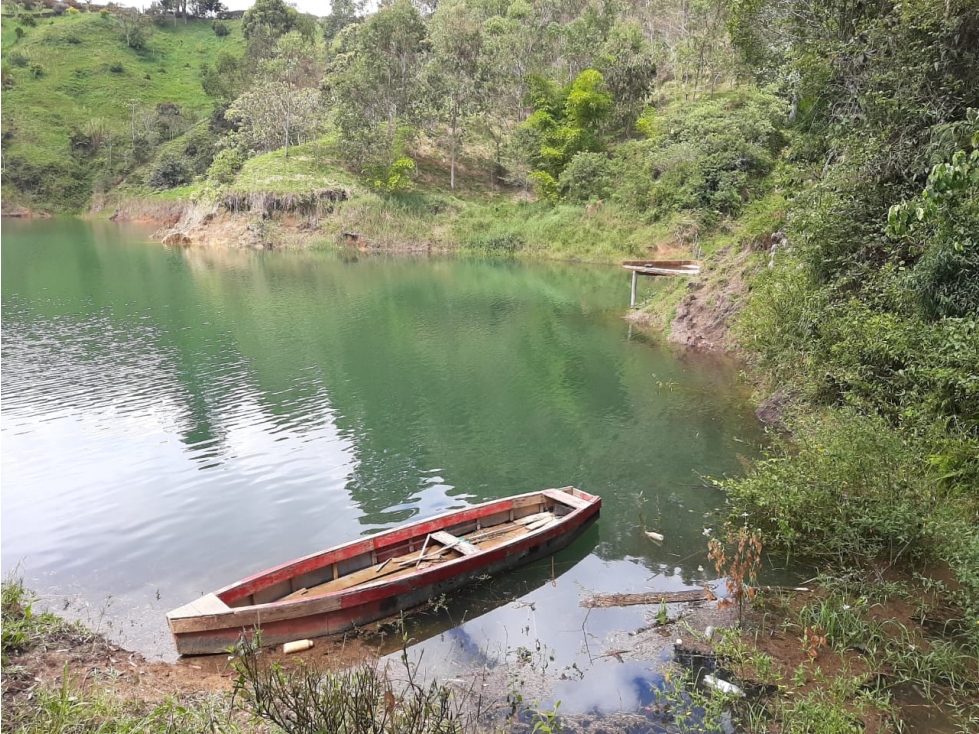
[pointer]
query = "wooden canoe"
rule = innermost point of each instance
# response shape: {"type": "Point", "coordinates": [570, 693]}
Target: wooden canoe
{"type": "Point", "coordinates": [365, 580]}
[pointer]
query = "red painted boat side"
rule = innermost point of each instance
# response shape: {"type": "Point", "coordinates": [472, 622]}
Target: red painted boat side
{"type": "Point", "coordinates": [250, 584]}
{"type": "Point", "coordinates": [338, 611]}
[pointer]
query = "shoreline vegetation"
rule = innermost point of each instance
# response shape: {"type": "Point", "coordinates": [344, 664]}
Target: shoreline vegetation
{"type": "Point", "coordinates": [822, 160]}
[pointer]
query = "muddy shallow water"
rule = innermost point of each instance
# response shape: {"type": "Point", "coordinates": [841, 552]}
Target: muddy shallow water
{"type": "Point", "coordinates": [174, 419]}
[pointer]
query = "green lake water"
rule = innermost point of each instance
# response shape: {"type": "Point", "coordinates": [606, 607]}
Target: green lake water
{"type": "Point", "coordinates": [175, 419]}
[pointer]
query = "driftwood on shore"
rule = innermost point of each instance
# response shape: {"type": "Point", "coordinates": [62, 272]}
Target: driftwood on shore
{"type": "Point", "coordinates": [669, 597]}
{"type": "Point", "coordinates": [653, 597]}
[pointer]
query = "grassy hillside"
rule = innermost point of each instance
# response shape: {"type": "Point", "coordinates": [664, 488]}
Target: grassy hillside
{"type": "Point", "coordinates": [77, 97]}
{"type": "Point", "coordinates": [75, 75]}
{"type": "Point", "coordinates": [473, 217]}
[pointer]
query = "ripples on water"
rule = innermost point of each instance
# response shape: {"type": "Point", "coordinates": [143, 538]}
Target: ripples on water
{"type": "Point", "coordinates": [174, 420]}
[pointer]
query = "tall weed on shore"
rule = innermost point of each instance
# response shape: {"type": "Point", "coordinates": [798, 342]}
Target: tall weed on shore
{"type": "Point", "coordinates": [363, 700]}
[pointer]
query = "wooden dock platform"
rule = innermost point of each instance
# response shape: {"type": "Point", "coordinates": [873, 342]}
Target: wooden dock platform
{"type": "Point", "coordinates": [658, 268]}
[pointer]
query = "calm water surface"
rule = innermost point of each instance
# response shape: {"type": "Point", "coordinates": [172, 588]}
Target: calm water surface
{"type": "Point", "coordinates": [173, 420]}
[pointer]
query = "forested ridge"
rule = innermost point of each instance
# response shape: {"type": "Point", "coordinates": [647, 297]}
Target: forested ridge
{"type": "Point", "coordinates": [822, 154]}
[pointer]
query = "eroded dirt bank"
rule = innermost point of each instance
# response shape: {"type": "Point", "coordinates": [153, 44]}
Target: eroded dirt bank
{"type": "Point", "coordinates": [699, 312]}
{"type": "Point", "coordinates": [263, 220]}
{"type": "Point", "coordinates": [16, 211]}
{"type": "Point", "coordinates": [183, 223]}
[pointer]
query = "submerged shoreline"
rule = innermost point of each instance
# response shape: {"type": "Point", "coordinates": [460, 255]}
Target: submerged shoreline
{"type": "Point", "coordinates": [696, 317]}
{"type": "Point", "coordinates": [65, 655]}
{"type": "Point", "coordinates": [760, 655]}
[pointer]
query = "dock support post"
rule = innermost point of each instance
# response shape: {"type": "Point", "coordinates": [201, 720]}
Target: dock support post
{"type": "Point", "coordinates": [632, 298]}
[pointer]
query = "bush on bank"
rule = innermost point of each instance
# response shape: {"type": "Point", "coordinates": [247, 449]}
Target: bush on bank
{"type": "Point", "coordinates": [880, 346]}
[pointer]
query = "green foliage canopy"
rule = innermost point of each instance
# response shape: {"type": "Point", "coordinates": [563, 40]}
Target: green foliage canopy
{"type": "Point", "coordinates": [567, 120]}
{"type": "Point", "coordinates": [264, 23]}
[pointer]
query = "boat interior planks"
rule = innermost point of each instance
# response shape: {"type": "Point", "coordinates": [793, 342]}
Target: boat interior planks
{"type": "Point", "coordinates": [452, 547]}
{"type": "Point", "coordinates": [457, 540]}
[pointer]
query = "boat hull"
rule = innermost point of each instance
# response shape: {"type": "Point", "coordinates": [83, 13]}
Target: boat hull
{"type": "Point", "coordinates": [334, 613]}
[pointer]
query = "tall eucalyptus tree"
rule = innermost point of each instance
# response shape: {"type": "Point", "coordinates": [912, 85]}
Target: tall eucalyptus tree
{"type": "Point", "coordinates": [375, 84]}
{"type": "Point", "coordinates": [457, 73]}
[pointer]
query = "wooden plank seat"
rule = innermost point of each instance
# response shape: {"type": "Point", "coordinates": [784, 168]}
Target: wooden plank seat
{"type": "Point", "coordinates": [565, 498]}
{"type": "Point", "coordinates": [403, 564]}
{"type": "Point", "coordinates": [451, 541]}
{"type": "Point", "coordinates": [208, 604]}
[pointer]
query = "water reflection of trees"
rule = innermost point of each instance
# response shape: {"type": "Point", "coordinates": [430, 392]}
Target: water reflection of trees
{"type": "Point", "coordinates": [500, 378]}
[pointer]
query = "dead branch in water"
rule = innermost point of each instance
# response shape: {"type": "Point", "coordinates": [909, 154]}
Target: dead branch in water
{"type": "Point", "coordinates": [653, 597]}
{"type": "Point", "coordinates": [667, 597]}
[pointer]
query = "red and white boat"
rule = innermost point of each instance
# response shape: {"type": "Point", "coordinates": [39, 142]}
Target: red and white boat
{"type": "Point", "coordinates": [372, 578]}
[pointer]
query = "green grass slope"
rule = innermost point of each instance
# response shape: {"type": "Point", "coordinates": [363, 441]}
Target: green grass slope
{"type": "Point", "coordinates": [69, 70]}
{"type": "Point", "coordinates": [472, 217]}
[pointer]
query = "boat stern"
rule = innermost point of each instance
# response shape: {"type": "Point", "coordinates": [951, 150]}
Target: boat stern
{"type": "Point", "coordinates": [187, 617]}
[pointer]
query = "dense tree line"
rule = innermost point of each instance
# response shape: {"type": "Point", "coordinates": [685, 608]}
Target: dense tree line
{"type": "Point", "coordinates": [540, 82]}
{"type": "Point", "coordinates": [870, 315]}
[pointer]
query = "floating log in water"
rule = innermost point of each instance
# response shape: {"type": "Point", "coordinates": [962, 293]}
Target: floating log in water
{"type": "Point", "coordinates": [780, 589]}
{"type": "Point", "coordinates": [653, 597]}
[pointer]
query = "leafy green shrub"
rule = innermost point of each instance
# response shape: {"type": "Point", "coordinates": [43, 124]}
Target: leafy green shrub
{"type": "Point", "coordinates": [226, 80]}
{"type": "Point", "coordinates": [226, 165]}
{"type": "Point", "coordinates": [73, 10]}
{"type": "Point", "coordinates": [848, 490]}
{"type": "Point", "coordinates": [711, 154]}
{"type": "Point", "coordinates": [7, 80]}
{"type": "Point", "coordinates": [220, 29]}
{"type": "Point", "coordinates": [395, 178]}
{"type": "Point", "coordinates": [116, 67]}
{"type": "Point", "coordinates": [104, 14]}
{"type": "Point", "coordinates": [566, 120]}
{"type": "Point", "coordinates": [36, 71]}
{"type": "Point", "coordinates": [27, 19]}
{"type": "Point", "coordinates": [142, 148]}
{"type": "Point", "coordinates": [634, 180]}
{"type": "Point", "coordinates": [907, 369]}
{"type": "Point", "coordinates": [679, 179]}
{"type": "Point", "coordinates": [63, 183]}
{"type": "Point", "coordinates": [19, 32]}
{"type": "Point", "coordinates": [544, 185]}
{"type": "Point", "coordinates": [198, 148]}
{"type": "Point", "coordinates": [18, 59]}
{"type": "Point", "coordinates": [170, 171]}
{"type": "Point", "coordinates": [736, 140]}
{"type": "Point", "coordinates": [588, 176]}
{"type": "Point", "coordinates": [942, 223]}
